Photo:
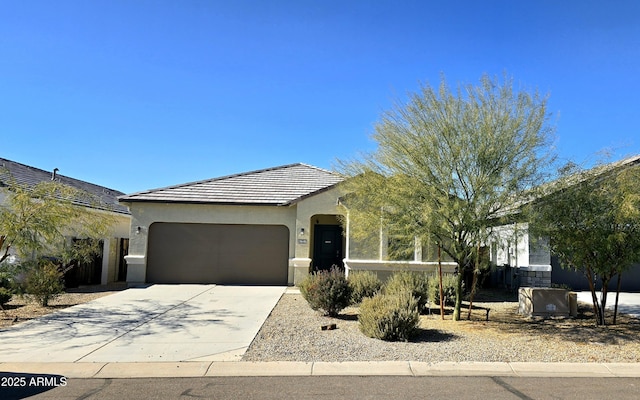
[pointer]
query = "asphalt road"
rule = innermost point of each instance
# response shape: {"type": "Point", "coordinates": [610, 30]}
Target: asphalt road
{"type": "Point", "coordinates": [340, 387]}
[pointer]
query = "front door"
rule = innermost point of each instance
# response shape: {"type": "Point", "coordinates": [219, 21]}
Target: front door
{"type": "Point", "coordinates": [327, 247]}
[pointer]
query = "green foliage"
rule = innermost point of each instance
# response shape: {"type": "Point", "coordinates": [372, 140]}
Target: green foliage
{"type": "Point", "coordinates": [448, 164]}
{"type": "Point", "coordinates": [363, 284]}
{"type": "Point", "coordinates": [392, 317]}
{"type": "Point", "coordinates": [5, 288]}
{"type": "Point", "coordinates": [414, 283]}
{"type": "Point", "coordinates": [328, 291]}
{"type": "Point", "coordinates": [592, 219]}
{"type": "Point", "coordinates": [44, 281]}
{"type": "Point", "coordinates": [6, 285]}
{"type": "Point", "coordinates": [449, 283]}
{"type": "Point", "coordinates": [37, 221]}
{"type": "Point", "coordinates": [5, 295]}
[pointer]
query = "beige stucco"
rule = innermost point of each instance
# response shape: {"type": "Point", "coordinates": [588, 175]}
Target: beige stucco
{"type": "Point", "coordinates": [111, 250]}
{"type": "Point", "coordinates": [296, 217]}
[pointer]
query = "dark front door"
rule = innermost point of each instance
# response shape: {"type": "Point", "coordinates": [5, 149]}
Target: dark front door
{"type": "Point", "coordinates": [327, 247]}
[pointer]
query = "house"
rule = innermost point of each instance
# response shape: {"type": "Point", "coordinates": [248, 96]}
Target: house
{"type": "Point", "coordinates": [107, 267]}
{"type": "Point", "coordinates": [267, 227]}
{"type": "Point", "coordinates": [522, 260]}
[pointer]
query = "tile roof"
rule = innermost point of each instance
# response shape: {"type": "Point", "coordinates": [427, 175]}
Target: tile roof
{"type": "Point", "coordinates": [31, 176]}
{"type": "Point", "coordinates": [280, 186]}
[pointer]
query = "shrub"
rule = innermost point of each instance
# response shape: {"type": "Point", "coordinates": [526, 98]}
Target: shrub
{"type": "Point", "coordinates": [328, 291]}
{"type": "Point", "coordinates": [413, 282]}
{"type": "Point", "coordinates": [392, 317]}
{"type": "Point", "coordinates": [6, 288]}
{"type": "Point", "coordinates": [44, 281]}
{"type": "Point", "coordinates": [449, 283]}
{"type": "Point", "coordinates": [5, 296]}
{"type": "Point", "coordinates": [363, 284]}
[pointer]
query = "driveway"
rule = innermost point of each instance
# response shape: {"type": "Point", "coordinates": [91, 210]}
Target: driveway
{"type": "Point", "coordinates": [629, 303]}
{"type": "Point", "coordinates": [157, 323]}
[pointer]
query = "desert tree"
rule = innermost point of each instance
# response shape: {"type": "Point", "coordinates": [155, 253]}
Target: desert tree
{"type": "Point", "coordinates": [592, 218]}
{"type": "Point", "coordinates": [39, 221]}
{"type": "Point", "coordinates": [448, 164]}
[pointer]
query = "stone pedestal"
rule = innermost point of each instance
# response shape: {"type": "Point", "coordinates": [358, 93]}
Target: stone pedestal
{"type": "Point", "coordinates": [543, 302]}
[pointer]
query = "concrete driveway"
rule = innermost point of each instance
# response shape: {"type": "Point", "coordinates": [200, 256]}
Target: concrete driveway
{"type": "Point", "coordinates": [629, 303]}
{"type": "Point", "coordinates": [157, 323]}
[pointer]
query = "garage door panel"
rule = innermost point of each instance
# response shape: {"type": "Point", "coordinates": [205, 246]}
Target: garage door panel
{"type": "Point", "coordinates": [216, 253]}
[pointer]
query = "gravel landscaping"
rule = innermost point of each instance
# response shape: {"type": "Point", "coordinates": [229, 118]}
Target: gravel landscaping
{"type": "Point", "coordinates": [293, 333]}
{"type": "Point", "coordinates": [23, 308]}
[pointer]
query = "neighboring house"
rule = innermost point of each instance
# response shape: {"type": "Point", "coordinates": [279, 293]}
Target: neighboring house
{"type": "Point", "coordinates": [525, 261]}
{"type": "Point", "coordinates": [107, 267]}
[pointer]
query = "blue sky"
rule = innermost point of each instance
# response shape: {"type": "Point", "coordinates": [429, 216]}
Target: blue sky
{"type": "Point", "coordinates": [135, 94]}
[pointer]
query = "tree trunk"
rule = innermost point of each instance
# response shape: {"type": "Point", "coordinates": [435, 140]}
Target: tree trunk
{"type": "Point", "coordinates": [594, 297]}
{"type": "Point", "coordinates": [6, 251]}
{"type": "Point", "coordinates": [603, 301]}
{"type": "Point", "coordinates": [440, 279]}
{"type": "Point", "coordinates": [458, 305]}
{"type": "Point", "coordinates": [473, 292]}
{"type": "Point", "coordinates": [476, 272]}
{"type": "Point", "coordinates": [615, 309]}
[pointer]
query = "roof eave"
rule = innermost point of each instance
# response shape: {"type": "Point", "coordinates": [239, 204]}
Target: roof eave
{"type": "Point", "coordinates": [222, 203]}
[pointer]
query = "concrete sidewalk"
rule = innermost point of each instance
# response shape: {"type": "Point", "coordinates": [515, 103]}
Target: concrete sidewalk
{"type": "Point", "coordinates": [293, 368]}
{"type": "Point", "coordinates": [202, 331]}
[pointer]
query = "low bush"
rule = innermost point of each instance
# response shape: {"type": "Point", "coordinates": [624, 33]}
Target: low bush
{"type": "Point", "coordinates": [391, 317]}
{"type": "Point", "coordinates": [6, 290]}
{"type": "Point", "coordinates": [328, 291]}
{"type": "Point", "coordinates": [363, 284]}
{"type": "Point", "coordinates": [43, 281]}
{"type": "Point", "coordinates": [5, 296]}
{"type": "Point", "coordinates": [416, 283]}
{"type": "Point", "coordinates": [449, 283]}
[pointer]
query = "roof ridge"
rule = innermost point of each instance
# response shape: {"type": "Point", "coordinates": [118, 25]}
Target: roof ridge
{"type": "Point", "coordinates": [280, 185]}
{"type": "Point", "coordinates": [318, 168]}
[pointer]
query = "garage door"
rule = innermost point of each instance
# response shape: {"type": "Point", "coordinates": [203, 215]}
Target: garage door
{"type": "Point", "coordinates": [215, 253]}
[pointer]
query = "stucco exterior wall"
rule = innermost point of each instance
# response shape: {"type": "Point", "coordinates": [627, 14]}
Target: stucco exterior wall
{"type": "Point", "coordinates": [110, 254]}
{"type": "Point", "coordinates": [145, 214]}
{"type": "Point", "coordinates": [296, 217]}
{"type": "Point", "coordinates": [325, 203]}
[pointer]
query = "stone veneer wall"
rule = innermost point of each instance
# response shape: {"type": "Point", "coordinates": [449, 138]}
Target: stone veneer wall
{"type": "Point", "coordinates": [535, 276]}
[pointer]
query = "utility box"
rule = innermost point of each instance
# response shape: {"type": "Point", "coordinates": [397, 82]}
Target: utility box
{"type": "Point", "coordinates": [543, 302]}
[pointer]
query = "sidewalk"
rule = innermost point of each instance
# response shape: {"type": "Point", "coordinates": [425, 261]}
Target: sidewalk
{"type": "Point", "coordinates": [144, 361]}
{"type": "Point", "coordinates": [293, 368]}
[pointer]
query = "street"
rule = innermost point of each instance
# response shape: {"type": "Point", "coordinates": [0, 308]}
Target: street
{"type": "Point", "coordinates": [342, 387]}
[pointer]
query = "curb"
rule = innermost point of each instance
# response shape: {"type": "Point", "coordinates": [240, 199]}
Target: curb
{"type": "Point", "coordinates": [191, 369]}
